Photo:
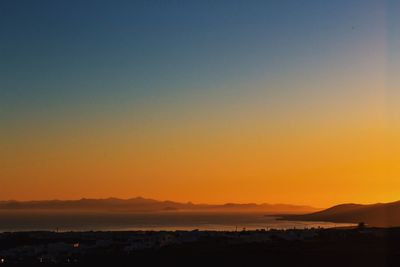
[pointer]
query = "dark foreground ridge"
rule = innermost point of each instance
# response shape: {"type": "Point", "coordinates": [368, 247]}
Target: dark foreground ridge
{"type": "Point", "coordinates": [309, 247]}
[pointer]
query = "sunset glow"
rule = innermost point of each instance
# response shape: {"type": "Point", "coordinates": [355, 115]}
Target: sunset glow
{"type": "Point", "coordinates": [201, 102]}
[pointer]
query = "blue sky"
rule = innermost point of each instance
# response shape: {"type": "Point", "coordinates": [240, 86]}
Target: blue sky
{"type": "Point", "coordinates": [134, 98]}
{"type": "Point", "coordinates": [76, 52]}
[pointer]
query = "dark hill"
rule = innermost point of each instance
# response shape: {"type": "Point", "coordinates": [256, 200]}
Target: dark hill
{"type": "Point", "coordinates": [381, 215]}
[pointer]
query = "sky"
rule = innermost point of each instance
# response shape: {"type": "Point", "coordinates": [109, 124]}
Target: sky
{"type": "Point", "coordinates": [204, 101]}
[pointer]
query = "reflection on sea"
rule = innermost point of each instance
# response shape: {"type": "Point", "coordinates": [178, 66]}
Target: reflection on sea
{"type": "Point", "coordinates": [94, 221]}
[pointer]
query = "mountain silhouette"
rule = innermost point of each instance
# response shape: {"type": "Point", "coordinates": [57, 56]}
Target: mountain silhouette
{"type": "Point", "coordinates": [379, 215]}
{"type": "Point", "coordinates": [140, 204]}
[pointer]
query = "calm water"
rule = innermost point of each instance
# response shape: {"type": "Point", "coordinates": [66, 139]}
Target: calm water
{"type": "Point", "coordinates": [31, 221]}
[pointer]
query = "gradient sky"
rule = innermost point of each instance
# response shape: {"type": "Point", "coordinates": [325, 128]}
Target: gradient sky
{"type": "Point", "coordinates": [204, 101]}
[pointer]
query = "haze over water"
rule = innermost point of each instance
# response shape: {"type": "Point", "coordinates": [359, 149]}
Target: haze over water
{"type": "Point", "coordinates": [209, 115]}
{"type": "Point", "coordinates": [101, 221]}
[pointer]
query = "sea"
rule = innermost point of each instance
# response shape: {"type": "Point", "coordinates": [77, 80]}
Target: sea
{"type": "Point", "coordinates": [13, 221]}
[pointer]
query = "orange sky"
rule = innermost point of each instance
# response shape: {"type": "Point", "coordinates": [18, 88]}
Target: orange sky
{"type": "Point", "coordinates": [270, 102]}
{"type": "Point", "coordinates": [214, 155]}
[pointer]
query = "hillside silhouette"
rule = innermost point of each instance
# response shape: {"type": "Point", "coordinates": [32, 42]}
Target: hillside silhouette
{"type": "Point", "coordinates": [379, 215]}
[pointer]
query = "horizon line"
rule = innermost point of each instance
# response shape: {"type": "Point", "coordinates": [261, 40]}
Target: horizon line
{"type": "Point", "coordinates": [191, 202]}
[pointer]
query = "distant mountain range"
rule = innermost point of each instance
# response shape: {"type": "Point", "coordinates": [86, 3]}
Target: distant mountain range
{"type": "Point", "coordinates": [140, 204]}
{"type": "Point", "coordinates": [380, 215]}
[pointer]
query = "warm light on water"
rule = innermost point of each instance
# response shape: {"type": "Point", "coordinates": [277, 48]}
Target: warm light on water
{"type": "Point", "coordinates": [21, 221]}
